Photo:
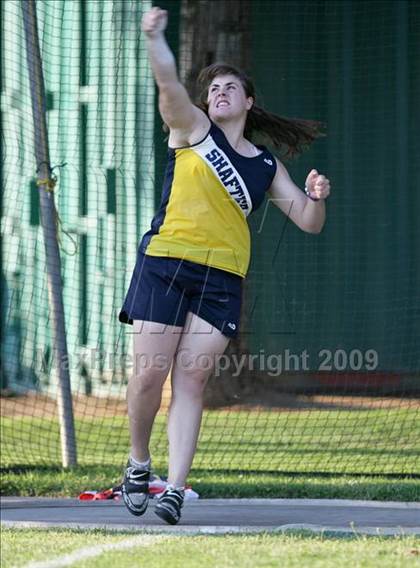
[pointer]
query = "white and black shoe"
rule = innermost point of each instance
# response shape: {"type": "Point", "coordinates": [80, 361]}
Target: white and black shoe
{"type": "Point", "coordinates": [135, 489]}
{"type": "Point", "coordinates": [169, 505]}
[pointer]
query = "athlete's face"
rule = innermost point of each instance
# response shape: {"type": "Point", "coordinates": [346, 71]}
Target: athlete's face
{"type": "Point", "coordinates": [227, 98]}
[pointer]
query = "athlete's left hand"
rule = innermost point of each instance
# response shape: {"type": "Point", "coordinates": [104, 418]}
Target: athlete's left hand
{"type": "Point", "coordinates": [318, 185]}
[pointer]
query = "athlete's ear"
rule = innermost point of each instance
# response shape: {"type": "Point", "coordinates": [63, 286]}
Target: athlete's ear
{"type": "Point", "coordinates": [249, 103]}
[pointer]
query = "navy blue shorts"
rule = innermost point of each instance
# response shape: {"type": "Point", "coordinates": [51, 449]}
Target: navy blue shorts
{"type": "Point", "coordinates": [165, 289]}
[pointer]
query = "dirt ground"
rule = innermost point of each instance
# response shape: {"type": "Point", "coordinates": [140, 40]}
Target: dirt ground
{"type": "Point", "coordinates": [38, 405]}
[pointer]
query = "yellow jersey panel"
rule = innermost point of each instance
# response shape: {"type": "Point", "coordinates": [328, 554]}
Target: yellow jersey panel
{"type": "Point", "coordinates": [209, 190]}
{"type": "Point", "coordinates": [202, 223]}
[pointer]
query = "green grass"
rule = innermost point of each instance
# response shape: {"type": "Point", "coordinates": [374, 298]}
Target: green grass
{"type": "Point", "coordinates": [358, 454]}
{"type": "Point", "coordinates": [379, 441]}
{"type": "Point", "coordinates": [56, 482]}
{"type": "Point", "coordinates": [290, 550]}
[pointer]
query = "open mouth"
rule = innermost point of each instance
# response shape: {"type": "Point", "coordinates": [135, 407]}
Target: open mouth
{"type": "Point", "coordinates": [222, 103]}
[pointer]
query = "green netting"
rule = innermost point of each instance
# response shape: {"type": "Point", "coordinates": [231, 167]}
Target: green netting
{"type": "Point", "coordinates": [330, 337]}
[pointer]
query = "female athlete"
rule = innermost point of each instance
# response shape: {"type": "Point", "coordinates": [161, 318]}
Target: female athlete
{"type": "Point", "coordinates": [185, 294]}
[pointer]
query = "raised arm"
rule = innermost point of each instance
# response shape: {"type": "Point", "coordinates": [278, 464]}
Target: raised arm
{"type": "Point", "coordinates": [186, 122]}
{"type": "Point", "coordinates": [307, 214]}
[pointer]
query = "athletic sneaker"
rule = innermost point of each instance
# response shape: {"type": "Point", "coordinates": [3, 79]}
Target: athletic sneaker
{"type": "Point", "coordinates": [135, 489]}
{"type": "Point", "coordinates": [169, 505]}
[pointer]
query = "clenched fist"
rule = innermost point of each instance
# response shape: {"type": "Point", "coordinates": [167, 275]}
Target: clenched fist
{"type": "Point", "coordinates": [154, 22]}
{"type": "Point", "coordinates": [318, 186]}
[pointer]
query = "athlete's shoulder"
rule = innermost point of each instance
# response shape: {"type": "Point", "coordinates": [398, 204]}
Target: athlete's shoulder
{"type": "Point", "coordinates": [269, 161]}
{"type": "Point", "coordinates": [179, 138]}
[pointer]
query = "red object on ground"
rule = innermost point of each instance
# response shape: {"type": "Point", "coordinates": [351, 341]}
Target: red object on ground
{"type": "Point", "coordinates": [156, 487]}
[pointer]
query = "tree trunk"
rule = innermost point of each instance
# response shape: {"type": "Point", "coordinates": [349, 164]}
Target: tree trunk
{"type": "Point", "coordinates": [217, 31]}
{"type": "Point", "coordinates": [212, 31]}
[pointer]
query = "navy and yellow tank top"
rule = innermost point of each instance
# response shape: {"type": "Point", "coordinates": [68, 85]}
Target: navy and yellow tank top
{"type": "Point", "coordinates": [208, 192]}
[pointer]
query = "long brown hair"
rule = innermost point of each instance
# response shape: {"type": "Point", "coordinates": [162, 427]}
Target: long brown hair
{"type": "Point", "coordinates": [290, 136]}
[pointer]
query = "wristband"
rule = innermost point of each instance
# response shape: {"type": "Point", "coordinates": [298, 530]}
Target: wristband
{"type": "Point", "coordinates": [310, 196]}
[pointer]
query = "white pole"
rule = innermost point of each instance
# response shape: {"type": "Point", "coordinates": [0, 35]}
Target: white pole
{"type": "Point", "coordinates": [48, 220]}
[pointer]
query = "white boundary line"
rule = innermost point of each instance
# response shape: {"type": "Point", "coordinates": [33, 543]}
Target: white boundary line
{"type": "Point", "coordinates": [315, 503]}
{"type": "Point", "coordinates": [219, 529]}
{"type": "Point", "coordinates": [93, 551]}
{"type": "Point", "coordinates": [33, 502]}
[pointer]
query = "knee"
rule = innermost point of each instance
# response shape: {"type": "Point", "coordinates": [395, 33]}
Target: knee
{"type": "Point", "coordinates": [147, 381]}
{"type": "Point", "coordinates": [191, 382]}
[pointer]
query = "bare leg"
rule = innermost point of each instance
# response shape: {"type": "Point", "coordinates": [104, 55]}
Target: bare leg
{"type": "Point", "coordinates": [194, 362]}
{"type": "Point", "coordinates": [154, 346]}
